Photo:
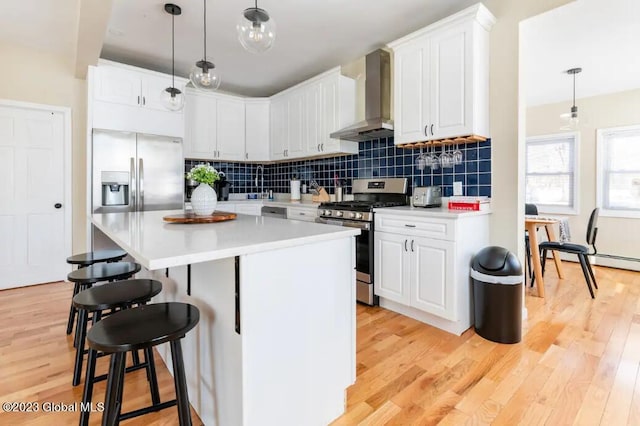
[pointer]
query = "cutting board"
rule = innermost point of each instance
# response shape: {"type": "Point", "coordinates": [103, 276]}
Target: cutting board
{"type": "Point", "coordinates": [193, 218]}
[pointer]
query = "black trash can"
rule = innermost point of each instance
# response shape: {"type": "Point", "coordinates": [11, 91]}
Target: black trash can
{"type": "Point", "coordinates": [497, 294]}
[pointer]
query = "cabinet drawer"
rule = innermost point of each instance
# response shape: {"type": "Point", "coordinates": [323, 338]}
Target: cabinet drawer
{"type": "Point", "coordinates": [307, 215]}
{"type": "Point", "coordinates": [442, 229]}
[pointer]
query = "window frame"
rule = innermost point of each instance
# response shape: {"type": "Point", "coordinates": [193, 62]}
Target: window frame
{"type": "Point", "coordinates": [600, 174]}
{"type": "Point", "coordinates": [545, 208]}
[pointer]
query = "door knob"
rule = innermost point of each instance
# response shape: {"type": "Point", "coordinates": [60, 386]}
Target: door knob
{"type": "Point", "coordinates": [57, 205]}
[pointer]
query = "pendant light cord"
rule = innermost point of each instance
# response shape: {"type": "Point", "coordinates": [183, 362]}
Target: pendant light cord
{"type": "Point", "coordinates": [256, 4]}
{"type": "Point", "coordinates": [173, 53]}
{"type": "Point", "coordinates": [574, 89]}
{"type": "Point", "coordinates": [204, 57]}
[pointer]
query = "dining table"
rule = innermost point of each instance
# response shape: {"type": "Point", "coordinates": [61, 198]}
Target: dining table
{"type": "Point", "coordinates": [532, 224]}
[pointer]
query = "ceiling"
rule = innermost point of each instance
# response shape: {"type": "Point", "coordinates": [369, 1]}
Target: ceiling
{"type": "Point", "coordinates": [600, 37]}
{"type": "Point", "coordinates": [312, 36]}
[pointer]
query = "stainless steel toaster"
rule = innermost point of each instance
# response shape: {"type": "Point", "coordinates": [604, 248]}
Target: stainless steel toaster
{"type": "Point", "coordinates": [427, 196]}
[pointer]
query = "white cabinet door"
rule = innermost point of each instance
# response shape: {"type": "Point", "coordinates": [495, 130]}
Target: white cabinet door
{"type": "Point", "coordinates": [432, 276]}
{"type": "Point", "coordinates": [451, 93]}
{"type": "Point", "coordinates": [118, 86]}
{"type": "Point", "coordinates": [230, 129]}
{"type": "Point", "coordinates": [392, 267]}
{"type": "Point", "coordinates": [200, 127]}
{"type": "Point", "coordinates": [279, 128]}
{"type": "Point", "coordinates": [152, 89]}
{"type": "Point", "coordinates": [257, 131]}
{"type": "Point", "coordinates": [411, 95]}
{"type": "Point", "coordinates": [297, 143]}
{"type": "Point", "coordinates": [313, 120]}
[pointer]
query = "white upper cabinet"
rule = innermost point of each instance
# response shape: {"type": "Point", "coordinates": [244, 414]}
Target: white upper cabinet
{"type": "Point", "coordinates": [257, 130]}
{"type": "Point", "coordinates": [296, 124]}
{"type": "Point", "coordinates": [441, 78]}
{"type": "Point", "coordinates": [129, 99]}
{"type": "Point", "coordinates": [313, 118]}
{"type": "Point", "coordinates": [314, 109]}
{"type": "Point", "coordinates": [214, 127]}
{"type": "Point", "coordinates": [230, 125]}
{"type": "Point", "coordinates": [338, 111]}
{"type": "Point", "coordinates": [117, 85]}
{"type": "Point", "coordinates": [279, 127]}
{"type": "Point", "coordinates": [200, 138]}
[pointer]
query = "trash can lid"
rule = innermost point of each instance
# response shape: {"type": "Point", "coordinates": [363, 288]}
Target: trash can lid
{"type": "Point", "coordinates": [497, 261]}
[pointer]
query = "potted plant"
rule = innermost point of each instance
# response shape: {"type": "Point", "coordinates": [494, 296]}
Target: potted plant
{"type": "Point", "coordinates": [204, 198]}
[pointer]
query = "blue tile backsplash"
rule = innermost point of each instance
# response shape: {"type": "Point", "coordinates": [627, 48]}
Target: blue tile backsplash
{"type": "Point", "coordinates": [375, 158]}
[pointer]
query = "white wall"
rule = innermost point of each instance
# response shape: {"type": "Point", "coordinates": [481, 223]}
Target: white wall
{"type": "Point", "coordinates": [619, 236]}
{"type": "Point", "coordinates": [31, 75]}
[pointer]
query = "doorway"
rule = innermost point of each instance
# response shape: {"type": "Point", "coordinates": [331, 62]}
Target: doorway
{"type": "Point", "coordinates": [35, 188]}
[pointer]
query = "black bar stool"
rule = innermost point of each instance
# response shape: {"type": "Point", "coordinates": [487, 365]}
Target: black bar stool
{"type": "Point", "coordinates": [83, 260]}
{"type": "Point", "coordinates": [142, 328]}
{"type": "Point", "coordinates": [85, 278]}
{"type": "Point", "coordinates": [117, 295]}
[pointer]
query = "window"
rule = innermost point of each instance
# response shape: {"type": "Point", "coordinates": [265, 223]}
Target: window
{"type": "Point", "coordinates": [551, 181]}
{"type": "Point", "coordinates": [619, 171]}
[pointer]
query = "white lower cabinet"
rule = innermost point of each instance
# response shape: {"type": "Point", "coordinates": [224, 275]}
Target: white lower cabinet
{"type": "Point", "coordinates": [424, 277]}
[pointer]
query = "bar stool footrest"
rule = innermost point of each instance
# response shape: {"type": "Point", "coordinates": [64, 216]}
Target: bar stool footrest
{"type": "Point", "coordinates": [102, 377]}
{"type": "Point", "coordinates": [149, 409]}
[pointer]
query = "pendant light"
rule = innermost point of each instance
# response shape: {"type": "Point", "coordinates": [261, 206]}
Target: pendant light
{"type": "Point", "coordinates": [203, 75]}
{"type": "Point", "coordinates": [571, 117]}
{"type": "Point", "coordinates": [256, 30]}
{"type": "Point", "coordinates": [171, 97]}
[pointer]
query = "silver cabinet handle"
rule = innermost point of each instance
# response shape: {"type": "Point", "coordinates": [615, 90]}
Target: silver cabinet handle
{"type": "Point", "coordinates": [426, 131]}
{"type": "Point", "coordinates": [409, 226]}
{"type": "Point", "coordinates": [321, 147]}
{"type": "Point", "coordinates": [138, 100]}
{"type": "Point", "coordinates": [405, 245]}
{"type": "Point", "coordinates": [141, 183]}
{"type": "Point", "coordinates": [412, 245]}
{"type": "Point", "coordinates": [246, 155]}
{"type": "Point", "coordinates": [132, 183]}
{"type": "Point", "coordinates": [432, 130]}
{"type": "Point", "coordinates": [318, 147]}
{"type": "Point", "coordinates": [144, 100]}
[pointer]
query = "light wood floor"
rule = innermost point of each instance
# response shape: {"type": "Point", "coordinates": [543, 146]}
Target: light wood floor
{"type": "Point", "coordinates": [578, 362]}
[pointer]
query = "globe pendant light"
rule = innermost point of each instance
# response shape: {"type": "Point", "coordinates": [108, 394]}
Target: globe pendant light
{"type": "Point", "coordinates": [172, 98]}
{"type": "Point", "coordinates": [256, 30]}
{"type": "Point", "coordinates": [203, 75]}
{"type": "Point", "coordinates": [571, 117]}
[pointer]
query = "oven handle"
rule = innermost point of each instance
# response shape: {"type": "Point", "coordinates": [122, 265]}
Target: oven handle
{"type": "Point", "coordinates": [351, 224]}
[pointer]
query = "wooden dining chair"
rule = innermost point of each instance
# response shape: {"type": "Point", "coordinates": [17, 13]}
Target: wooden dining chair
{"type": "Point", "coordinates": [578, 249]}
{"type": "Point", "coordinates": [529, 210]}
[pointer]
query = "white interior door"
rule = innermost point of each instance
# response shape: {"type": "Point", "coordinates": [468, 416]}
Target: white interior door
{"type": "Point", "coordinates": [34, 243]}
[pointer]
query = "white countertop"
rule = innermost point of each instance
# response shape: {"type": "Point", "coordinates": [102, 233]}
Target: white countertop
{"type": "Point", "coordinates": [274, 203]}
{"type": "Point", "coordinates": [156, 244]}
{"type": "Point", "coordinates": [442, 212]}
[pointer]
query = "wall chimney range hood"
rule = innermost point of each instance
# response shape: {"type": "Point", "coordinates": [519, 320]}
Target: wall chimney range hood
{"type": "Point", "coordinates": [377, 123]}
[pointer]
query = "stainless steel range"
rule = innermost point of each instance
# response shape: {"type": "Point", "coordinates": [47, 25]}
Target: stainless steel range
{"type": "Point", "coordinates": [368, 194]}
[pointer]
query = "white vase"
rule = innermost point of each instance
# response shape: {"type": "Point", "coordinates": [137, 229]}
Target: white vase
{"type": "Point", "coordinates": [204, 200]}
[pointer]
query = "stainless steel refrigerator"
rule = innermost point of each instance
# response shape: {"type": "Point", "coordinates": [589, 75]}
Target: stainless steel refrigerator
{"type": "Point", "coordinates": [134, 172]}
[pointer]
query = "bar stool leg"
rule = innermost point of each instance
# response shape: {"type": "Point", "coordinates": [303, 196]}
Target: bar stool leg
{"type": "Point", "coordinates": [182, 395]}
{"type": "Point", "coordinates": [89, 376]}
{"type": "Point", "coordinates": [82, 332]}
{"type": "Point", "coordinates": [72, 310]}
{"type": "Point", "coordinates": [114, 386]}
{"type": "Point", "coordinates": [151, 376]}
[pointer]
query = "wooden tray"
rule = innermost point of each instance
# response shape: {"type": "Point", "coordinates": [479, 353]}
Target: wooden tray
{"type": "Point", "coordinates": [193, 218]}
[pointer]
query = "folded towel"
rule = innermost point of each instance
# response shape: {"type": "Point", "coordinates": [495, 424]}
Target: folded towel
{"type": "Point", "coordinates": [565, 233]}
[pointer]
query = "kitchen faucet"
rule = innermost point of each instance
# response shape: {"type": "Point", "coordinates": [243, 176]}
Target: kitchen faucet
{"type": "Point", "coordinates": [260, 170]}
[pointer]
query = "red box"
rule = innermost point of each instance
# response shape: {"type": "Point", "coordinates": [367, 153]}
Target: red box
{"type": "Point", "coordinates": [468, 206]}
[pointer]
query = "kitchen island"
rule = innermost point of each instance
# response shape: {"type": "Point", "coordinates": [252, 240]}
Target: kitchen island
{"type": "Point", "coordinates": [276, 340]}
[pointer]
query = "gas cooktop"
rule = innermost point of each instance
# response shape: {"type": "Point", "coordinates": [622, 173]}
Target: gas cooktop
{"type": "Point", "coordinates": [360, 206]}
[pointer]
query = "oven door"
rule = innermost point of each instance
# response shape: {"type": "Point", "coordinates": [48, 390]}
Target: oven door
{"type": "Point", "coordinates": [364, 257]}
